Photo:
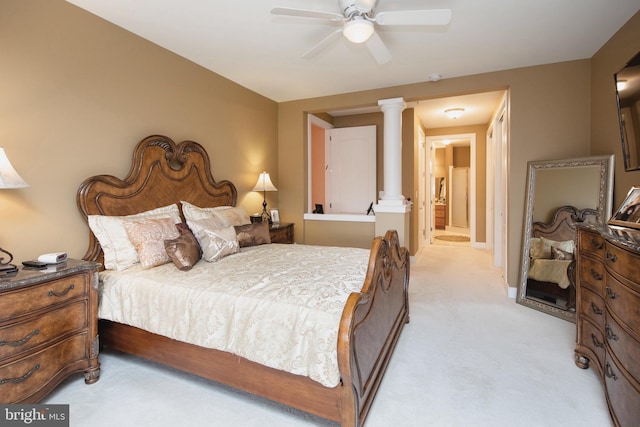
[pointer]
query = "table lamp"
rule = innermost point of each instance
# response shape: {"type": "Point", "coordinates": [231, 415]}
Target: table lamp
{"type": "Point", "coordinates": [264, 184]}
{"type": "Point", "coordinates": [9, 179]}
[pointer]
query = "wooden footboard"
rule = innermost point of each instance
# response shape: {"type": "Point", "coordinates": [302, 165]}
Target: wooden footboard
{"type": "Point", "coordinates": [370, 327]}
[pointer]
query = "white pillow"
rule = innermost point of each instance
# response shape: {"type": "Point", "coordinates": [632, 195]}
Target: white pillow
{"type": "Point", "coordinates": [119, 252]}
{"type": "Point", "coordinates": [231, 215]}
{"type": "Point", "coordinates": [216, 239]}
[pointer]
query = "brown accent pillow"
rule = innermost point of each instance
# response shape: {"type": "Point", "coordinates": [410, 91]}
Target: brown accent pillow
{"type": "Point", "coordinates": [184, 250]}
{"type": "Point", "coordinates": [253, 234]}
{"type": "Point", "coordinates": [558, 253]}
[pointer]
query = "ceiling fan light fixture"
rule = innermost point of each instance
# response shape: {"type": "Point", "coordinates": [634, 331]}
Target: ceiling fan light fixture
{"type": "Point", "coordinates": [454, 113]}
{"type": "Point", "coordinates": [358, 30]}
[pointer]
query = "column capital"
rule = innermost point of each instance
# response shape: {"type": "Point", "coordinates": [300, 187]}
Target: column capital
{"type": "Point", "coordinates": [392, 102]}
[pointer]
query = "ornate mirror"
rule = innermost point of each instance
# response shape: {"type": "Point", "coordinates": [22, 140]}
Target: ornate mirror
{"type": "Point", "coordinates": [560, 193]}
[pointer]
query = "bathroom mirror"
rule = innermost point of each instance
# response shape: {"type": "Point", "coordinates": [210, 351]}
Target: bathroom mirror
{"type": "Point", "coordinates": [628, 96]}
{"type": "Point", "coordinates": [559, 194]}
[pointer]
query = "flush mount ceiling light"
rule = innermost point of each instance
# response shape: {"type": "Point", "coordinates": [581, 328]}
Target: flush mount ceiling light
{"type": "Point", "coordinates": [621, 84]}
{"type": "Point", "coordinates": [358, 30]}
{"type": "Point", "coordinates": [454, 113]}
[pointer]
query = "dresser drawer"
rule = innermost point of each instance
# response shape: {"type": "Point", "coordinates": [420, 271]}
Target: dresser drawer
{"type": "Point", "coordinates": [624, 263]}
{"type": "Point", "coordinates": [592, 306]}
{"type": "Point", "coordinates": [18, 302]}
{"type": "Point", "coordinates": [624, 399]}
{"type": "Point", "coordinates": [591, 243]}
{"type": "Point", "coordinates": [625, 347]}
{"type": "Point", "coordinates": [23, 378]}
{"type": "Point", "coordinates": [22, 336]}
{"type": "Point", "coordinates": [592, 274]}
{"type": "Point", "coordinates": [591, 338]}
{"type": "Point", "coordinates": [623, 303]}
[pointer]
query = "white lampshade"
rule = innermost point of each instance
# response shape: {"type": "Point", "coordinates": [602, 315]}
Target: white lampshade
{"type": "Point", "coordinates": [358, 30]}
{"type": "Point", "coordinates": [454, 113]}
{"type": "Point", "coordinates": [264, 183]}
{"type": "Point", "coordinates": [9, 178]}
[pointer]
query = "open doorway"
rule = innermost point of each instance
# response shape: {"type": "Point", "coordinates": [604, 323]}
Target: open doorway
{"type": "Point", "coordinates": [452, 195]}
{"type": "Point", "coordinates": [485, 213]}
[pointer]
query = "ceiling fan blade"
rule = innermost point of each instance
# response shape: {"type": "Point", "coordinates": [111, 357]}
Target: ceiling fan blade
{"type": "Point", "coordinates": [414, 17]}
{"type": "Point", "coordinates": [322, 45]}
{"type": "Point", "coordinates": [378, 49]}
{"type": "Point", "coordinates": [307, 13]}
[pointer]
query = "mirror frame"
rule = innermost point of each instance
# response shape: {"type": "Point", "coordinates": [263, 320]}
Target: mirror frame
{"type": "Point", "coordinates": [630, 74]}
{"type": "Point", "coordinates": [605, 200]}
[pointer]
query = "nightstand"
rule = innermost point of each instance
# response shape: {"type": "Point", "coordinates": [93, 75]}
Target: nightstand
{"type": "Point", "coordinates": [48, 329]}
{"type": "Point", "coordinates": [281, 232]}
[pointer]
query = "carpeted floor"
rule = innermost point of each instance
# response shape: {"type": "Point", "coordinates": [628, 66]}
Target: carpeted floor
{"type": "Point", "coordinates": [469, 357]}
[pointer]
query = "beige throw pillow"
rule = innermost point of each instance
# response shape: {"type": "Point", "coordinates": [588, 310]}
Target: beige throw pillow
{"type": "Point", "coordinates": [148, 236]}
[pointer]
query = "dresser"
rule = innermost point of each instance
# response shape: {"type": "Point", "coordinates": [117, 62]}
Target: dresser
{"type": "Point", "coordinates": [608, 315]}
{"type": "Point", "coordinates": [440, 216]}
{"type": "Point", "coordinates": [48, 329]}
{"type": "Point", "coordinates": [281, 232]}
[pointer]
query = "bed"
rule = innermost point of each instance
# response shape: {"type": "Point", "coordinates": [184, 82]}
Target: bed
{"type": "Point", "coordinates": [551, 275]}
{"type": "Point", "coordinates": [369, 321]}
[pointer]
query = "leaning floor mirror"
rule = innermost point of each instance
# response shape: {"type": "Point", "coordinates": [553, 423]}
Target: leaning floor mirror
{"type": "Point", "coordinates": [560, 194]}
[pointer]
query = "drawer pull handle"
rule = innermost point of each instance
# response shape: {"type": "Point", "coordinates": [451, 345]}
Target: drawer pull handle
{"type": "Point", "coordinates": [595, 309]}
{"type": "Point", "coordinates": [609, 372]}
{"type": "Point", "coordinates": [596, 244]}
{"type": "Point", "coordinates": [595, 274]}
{"type": "Point", "coordinates": [60, 294]}
{"type": "Point", "coordinates": [22, 341]}
{"type": "Point", "coordinates": [611, 335]}
{"type": "Point", "coordinates": [611, 294]}
{"type": "Point", "coordinates": [20, 379]}
{"type": "Point", "coordinates": [596, 342]}
{"type": "Point", "coordinates": [610, 257]}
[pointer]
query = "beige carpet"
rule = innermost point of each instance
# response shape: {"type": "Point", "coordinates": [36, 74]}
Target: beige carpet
{"type": "Point", "coordinates": [469, 357]}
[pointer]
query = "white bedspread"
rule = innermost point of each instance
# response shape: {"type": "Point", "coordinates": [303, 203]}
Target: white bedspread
{"type": "Point", "coordinates": [277, 305]}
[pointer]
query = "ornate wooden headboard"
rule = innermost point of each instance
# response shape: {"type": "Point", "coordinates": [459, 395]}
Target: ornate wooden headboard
{"type": "Point", "coordinates": [162, 173]}
{"type": "Point", "coordinates": [563, 225]}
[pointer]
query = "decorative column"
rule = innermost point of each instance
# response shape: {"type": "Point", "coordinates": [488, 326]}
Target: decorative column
{"type": "Point", "coordinates": [392, 211]}
{"type": "Point", "coordinates": [392, 109]}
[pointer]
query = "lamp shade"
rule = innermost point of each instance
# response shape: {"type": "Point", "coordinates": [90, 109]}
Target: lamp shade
{"type": "Point", "coordinates": [264, 183]}
{"type": "Point", "coordinates": [9, 178]}
{"type": "Point", "coordinates": [358, 30]}
{"type": "Point", "coordinates": [454, 113]}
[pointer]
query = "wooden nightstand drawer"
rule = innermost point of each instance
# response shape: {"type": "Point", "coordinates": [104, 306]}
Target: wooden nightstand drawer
{"type": "Point", "coordinates": [19, 337]}
{"type": "Point", "coordinates": [20, 380]}
{"type": "Point", "coordinates": [48, 329]}
{"type": "Point", "coordinates": [281, 233]}
{"type": "Point", "coordinates": [21, 301]}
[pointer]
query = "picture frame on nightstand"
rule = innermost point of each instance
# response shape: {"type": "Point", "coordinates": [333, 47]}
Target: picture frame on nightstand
{"type": "Point", "coordinates": [275, 216]}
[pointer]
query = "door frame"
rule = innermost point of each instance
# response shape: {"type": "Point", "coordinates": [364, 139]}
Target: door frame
{"type": "Point", "coordinates": [431, 144]}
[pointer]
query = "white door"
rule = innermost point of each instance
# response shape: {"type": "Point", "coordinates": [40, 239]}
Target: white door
{"type": "Point", "coordinates": [459, 197]}
{"type": "Point", "coordinates": [350, 178]}
{"type": "Point", "coordinates": [422, 190]}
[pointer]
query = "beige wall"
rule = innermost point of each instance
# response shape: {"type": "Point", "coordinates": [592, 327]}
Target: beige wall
{"type": "Point", "coordinates": [605, 129]}
{"type": "Point", "coordinates": [78, 93]}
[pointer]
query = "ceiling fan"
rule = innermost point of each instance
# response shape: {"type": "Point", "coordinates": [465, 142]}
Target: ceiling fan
{"type": "Point", "coordinates": [358, 21]}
